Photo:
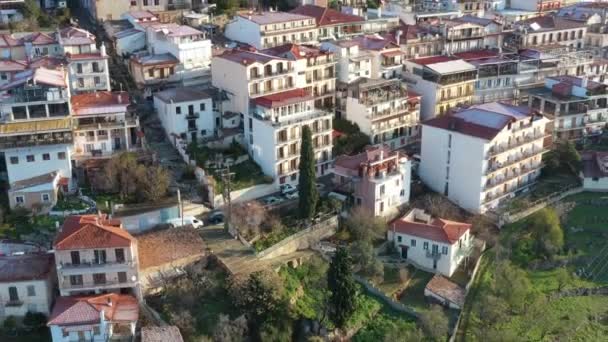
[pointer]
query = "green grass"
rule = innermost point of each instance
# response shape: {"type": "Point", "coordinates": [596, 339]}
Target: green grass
{"type": "Point", "coordinates": [383, 323]}
{"type": "Point", "coordinates": [270, 239]}
{"type": "Point", "coordinates": [413, 295]}
{"type": "Point", "coordinates": [246, 174]}
{"type": "Point", "coordinates": [43, 335]}
{"type": "Point", "coordinates": [70, 203]}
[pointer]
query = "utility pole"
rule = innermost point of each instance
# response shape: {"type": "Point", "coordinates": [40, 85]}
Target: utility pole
{"type": "Point", "coordinates": [226, 177]}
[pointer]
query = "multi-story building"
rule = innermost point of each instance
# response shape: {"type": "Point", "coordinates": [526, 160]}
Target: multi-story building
{"type": "Point", "coordinates": [93, 255]}
{"type": "Point", "coordinates": [537, 6]}
{"type": "Point", "coordinates": [594, 172]}
{"type": "Point", "coordinates": [27, 284]}
{"type": "Point", "coordinates": [384, 110]}
{"type": "Point", "coordinates": [29, 46]}
{"type": "Point", "coordinates": [458, 35]}
{"type": "Point", "coordinates": [482, 155]}
{"type": "Point", "coordinates": [332, 24]}
{"type": "Point", "coordinates": [315, 70]}
{"type": "Point", "coordinates": [106, 317]}
{"type": "Point", "coordinates": [496, 75]}
{"type": "Point", "coordinates": [416, 41]}
{"type": "Point", "coordinates": [103, 125]}
{"type": "Point", "coordinates": [269, 29]}
{"type": "Point", "coordinates": [102, 10]}
{"type": "Point", "coordinates": [244, 75]}
{"type": "Point", "coordinates": [274, 133]}
{"type": "Point", "coordinates": [578, 107]}
{"type": "Point", "coordinates": [352, 62]}
{"type": "Point", "coordinates": [378, 179]}
{"type": "Point", "coordinates": [36, 136]}
{"type": "Point", "coordinates": [387, 57]}
{"type": "Point", "coordinates": [594, 15]}
{"type": "Point", "coordinates": [431, 243]}
{"type": "Point", "coordinates": [547, 30]}
{"type": "Point", "coordinates": [186, 113]}
{"type": "Point", "coordinates": [445, 82]}
{"type": "Point", "coordinates": [87, 67]}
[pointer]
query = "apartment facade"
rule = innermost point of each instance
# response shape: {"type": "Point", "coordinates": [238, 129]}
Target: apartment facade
{"type": "Point", "coordinates": [378, 179]}
{"type": "Point", "coordinates": [26, 284]}
{"type": "Point", "coordinates": [274, 129]}
{"type": "Point", "coordinates": [387, 57]}
{"type": "Point", "coordinates": [87, 264]}
{"type": "Point", "coordinates": [353, 62]}
{"type": "Point", "coordinates": [104, 125]}
{"type": "Point", "coordinates": [315, 70]}
{"type": "Point", "coordinates": [481, 155]}
{"type": "Point", "coordinates": [103, 10]}
{"type": "Point", "coordinates": [36, 136]}
{"type": "Point", "coordinates": [445, 83]}
{"type": "Point", "coordinates": [269, 29]}
{"type": "Point", "coordinates": [548, 30]}
{"type": "Point", "coordinates": [459, 35]}
{"type": "Point", "coordinates": [332, 24]}
{"type": "Point", "coordinates": [416, 41]}
{"type": "Point", "coordinates": [577, 106]}
{"type": "Point", "coordinates": [186, 113]}
{"type": "Point", "coordinates": [433, 244]}
{"type": "Point", "coordinates": [497, 75]}
{"type": "Point", "coordinates": [384, 110]}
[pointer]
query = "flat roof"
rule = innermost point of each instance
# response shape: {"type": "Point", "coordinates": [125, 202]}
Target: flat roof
{"type": "Point", "coordinates": [451, 66]}
{"type": "Point", "coordinates": [265, 18]}
{"type": "Point", "coordinates": [185, 94]}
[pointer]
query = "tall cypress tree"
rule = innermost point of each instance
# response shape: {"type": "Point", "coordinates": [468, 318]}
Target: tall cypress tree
{"type": "Point", "coordinates": [307, 189]}
{"type": "Point", "coordinates": [342, 286]}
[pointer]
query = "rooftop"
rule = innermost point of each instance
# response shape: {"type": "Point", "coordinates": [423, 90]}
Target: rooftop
{"type": "Point", "coordinates": [433, 60]}
{"type": "Point", "coordinates": [248, 57]}
{"type": "Point", "coordinates": [578, 81]}
{"type": "Point", "coordinates": [41, 126]}
{"type": "Point", "coordinates": [283, 99]}
{"type": "Point", "coordinates": [160, 247]}
{"type": "Point", "coordinates": [295, 51]}
{"type": "Point", "coordinates": [34, 181]}
{"type": "Point", "coordinates": [165, 58]}
{"type": "Point", "coordinates": [25, 267]}
{"type": "Point", "coordinates": [185, 94]}
{"type": "Point", "coordinates": [325, 16]}
{"type": "Point", "coordinates": [371, 154]}
{"type": "Point", "coordinates": [265, 18]}
{"type": "Point", "coordinates": [8, 65]}
{"type": "Point", "coordinates": [450, 67]}
{"type": "Point", "coordinates": [142, 15]}
{"type": "Point", "coordinates": [91, 231]}
{"type": "Point", "coordinates": [478, 54]}
{"type": "Point", "coordinates": [76, 36]}
{"type": "Point", "coordinates": [100, 102]}
{"type": "Point", "coordinates": [161, 334]}
{"type": "Point", "coordinates": [444, 288]}
{"type": "Point", "coordinates": [595, 164]}
{"type": "Point", "coordinates": [81, 310]}
{"type": "Point", "coordinates": [434, 229]}
{"type": "Point", "coordinates": [39, 75]}
{"type": "Point", "coordinates": [550, 23]}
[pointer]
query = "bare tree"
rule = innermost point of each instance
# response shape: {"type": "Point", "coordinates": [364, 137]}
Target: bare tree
{"type": "Point", "coordinates": [228, 330]}
{"type": "Point", "coordinates": [363, 225]}
{"type": "Point", "coordinates": [439, 206]}
{"type": "Point", "coordinates": [247, 217]}
{"type": "Point", "coordinates": [154, 184]}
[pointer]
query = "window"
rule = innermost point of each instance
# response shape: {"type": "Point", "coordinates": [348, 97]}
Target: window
{"type": "Point", "coordinates": [30, 158]}
{"type": "Point", "coordinates": [96, 330]}
{"type": "Point", "coordinates": [120, 254]}
{"type": "Point", "coordinates": [19, 199]}
{"type": "Point", "coordinates": [97, 80]}
{"type": "Point", "coordinates": [81, 336]}
{"type": "Point", "coordinates": [399, 238]}
{"type": "Point", "coordinates": [61, 155]}
{"type": "Point", "coordinates": [95, 67]}
{"type": "Point", "coordinates": [76, 279]}
{"type": "Point", "coordinates": [122, 277]}
{"type": "Point", "coordinates": [151, 72]}
{"type": "Point", "coordinates": [79, 68]}
{"type": "Point", "coordinates": [156, 2]}
{"type": "Point", "coordinates": [99, 278]}
{"type": "Point", "coordinates": [100, 256]}
{"type": "Point", "coordinates": [382, 190]}
{"type": "Point", "coordinates": [46, 198]}
{"type": "Point", "coordinates": [146, 3]}
{"type": "Point", "coordinates": [81, 82]}
{"type": "Point", "coordinates": [425, 246]}
{"type": "Point", "coordinates": [46, 156]}
{"type": "Point", "coordinates": [31, 291]}
{"type": "Point", "coordinates": [178, 110]}
{"type": "Point", "coordinates": [75, 256]}
{"type": "Point", "coordinates": [14, 160]}
{"type": "Point", "coordinates": [12, 294]}
{"type": "Point", "coordinates": [413, 243]}
{"type": "Point", "coordinates": [202, 107]}
{"type": "Point", "coordinates": [133, 3]}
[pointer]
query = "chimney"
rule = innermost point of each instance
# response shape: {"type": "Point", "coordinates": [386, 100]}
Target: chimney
{"type": "Point", "coordinates": [119, 97]}
{"type": "Point", "coordinates": [398, 36]}
{"type": "Point", "coordinates": [102, 50]}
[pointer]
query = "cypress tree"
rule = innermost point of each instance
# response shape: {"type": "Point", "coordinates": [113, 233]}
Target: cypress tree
{"type": "Point", "coordinates": [342, 286]}
{"type": "Point", "coordinates": [307, 189]}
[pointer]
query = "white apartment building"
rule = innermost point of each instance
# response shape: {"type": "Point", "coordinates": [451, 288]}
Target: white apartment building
{"type": "Point", "coordinates": [481, 155]}
{"type": "Point", "coordinates": [384, 110]}
{"type": "Point", "coordinates": [433, 244]}
{"type": "Point", "coordinates": [315, 70]}
{"type": "Point", "coordinates": [548, 30]}
{"type": "Point", "coordinates": [595, 171]}
{"type": "Point", "coordinates": [268, 29]}
{"type": "Point", "coordinates": [332, 24]}
{"type": "Point", "coordinates": [26, 284]}
{"type": "Point", "coordinates": [274, 132]}
{"type": "Point", "coordinates": [459, 35]}
{"type": "Point", "coordinates": [353, 62]}
{"type": "Point", "coordinates": [186, 113]}
{"type": "Point", "coordinates": [577, 106]}
{"type": "Point", "coordinates": [36, 136]}
{"type": "Point", "coordinates": [103, 125]}
{"type": "Point", "coordinates": [244, 75]}
{"type": "Point", "coordinates": [102, 10]}
{"type": "Point", "coordinates": [387, 57]}
{"type": "Point", "coordinates": [87, 264]}
{"type": "Point", "coordinates": [87, 66]}
{"type": "Point", "coordinates": [378, 179]}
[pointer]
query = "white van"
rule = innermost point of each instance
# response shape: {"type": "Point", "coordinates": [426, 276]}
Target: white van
{"type": "Point", "coordinates": [187, 220]}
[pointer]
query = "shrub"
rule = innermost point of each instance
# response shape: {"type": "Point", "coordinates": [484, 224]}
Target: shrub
{"type": "Point", "coordinates": [34, 320]}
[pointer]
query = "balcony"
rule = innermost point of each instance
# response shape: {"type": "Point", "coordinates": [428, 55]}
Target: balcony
{"type": "Point", "coordinates": [192, 116]}
{"type": "Point", "coordinates": [319, 62]}
{"type": "Point", "coordinates": [519, 172]}
{"type": "Point", "coordinates": [108, 283]}
{"type": "Point", "coordinates": [284, 71]}
{"type": "Point", "coordinates": [502, 148]}
{"type": "Point", "coordinates": [91, 267]}
{"type": "Point", "coordinates": [107, 124]}
{"type": "Point", "coordinates": [521, 157]}
{"type": "Point", "coordinates": [272, 90]}
{"type": "Point", "coordinates": [301, 119]}
{"type": "Point", "coordinates": [13, 303]}
{"type": "Point", "coordinates": [433, 255]}
{"type": "Point", "coordinates": [36, 140]}
{"type": "Point", "coordinates": [492, 197]}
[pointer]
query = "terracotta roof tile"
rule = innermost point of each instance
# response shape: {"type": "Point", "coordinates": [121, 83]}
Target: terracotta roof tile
{"type": "Point", "coordinates": [160, 247]}
{"type": "Point", "coordinates": [437, 229]}
{"type": "Point", "coordinates": [248, 57]}
{"type": "Point", "coordinates": [326, 16]}
{"type": "Point", "coordinates": [80, 310]}
{"type": "Point", "coordinates": [284, 98]}
{"type": "Point", "coordinates": [446, 289]}
{"type": "Point", "coordinates": [26, 267]}
{"type": "Point", "coordinates": [84, 103]}
{"type": "Point", "coordinates": [92, 231]}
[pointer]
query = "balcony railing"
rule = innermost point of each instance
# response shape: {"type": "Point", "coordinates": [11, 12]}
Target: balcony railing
{"type": "Point", "coordinates": [521, 157]}
{"type": "Point", "coordinates": [36, 140]}
{"type": "Point", "coordinates": [502, 148]}
{"type": "Point", "coordinates": [433, 255]}
{"type": "Point", "coordinates": [88, 264]}
{"type": "Point", "coordinates": [489, 197]}
{"type": "Point", "coordinates": [66, 284]}
{"type": "Point", "coordinates": [270, 74]}
{"type": "Point", "coordinates": [521, 171]}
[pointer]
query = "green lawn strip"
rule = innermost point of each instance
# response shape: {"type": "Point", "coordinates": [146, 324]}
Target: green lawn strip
{"type": "Point", "coordinates": [413, 295]}
{"type": "Point", "coordinates": [269, 239]}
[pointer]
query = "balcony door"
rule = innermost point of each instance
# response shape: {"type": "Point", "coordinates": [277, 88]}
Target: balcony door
{"type": "Point", "coordinates": [120, 255]}
{"type": "Point", "coordinates": [100, 256]}
{"type": "Point", "coordinates": [75, 257]}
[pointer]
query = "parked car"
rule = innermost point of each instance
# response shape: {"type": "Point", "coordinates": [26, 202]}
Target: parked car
{"type": "Point", "coordinates": [292, 195]}
{"type": "Point", "coordinates": [272, 200]}
{"type": "Point", "coordinates": [186, 220]}
{"type": "Point", "coordinates": [216, 217]}
{"type": "Point", "coordinates": [286, 188]}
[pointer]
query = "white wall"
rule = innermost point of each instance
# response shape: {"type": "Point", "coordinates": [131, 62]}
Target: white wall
{"type": "Point", "coordinates": [231, 77]}
{"type": "Point", "coordinates": [25, 170]}
{"type": "Point", "coordinates": [244, 31]}
{"type": "Point", "coordinates": [428, 90]}
{"type": "Point", "coordinates": [131, 43]}
{"type": "Point", "coordinates": [601, 184]}
{"type": "Point", "coordinates": [178, 124]}
{"type": "Point", "coordinates": [40, 302]}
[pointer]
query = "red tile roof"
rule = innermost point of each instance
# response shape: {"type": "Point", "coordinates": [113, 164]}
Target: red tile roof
{"type": "Point", "coordinates": [40, 38]}
{"type": "Point", "coordinates": [433, 60]}
{"type": "Point", "coordinates": [92, 231]}
{"type": "Point", "coordinates": [85, 56]}
{"type": "Point", "coordinates": [370, 155]}
{"type": "Point", "coordinates": [463, 126]}
{"type": "Point", "coordinates": [326, 16]}
{"type": "Point", "coordinates": [446, 289]}
{"type": "Point", "coordinates": [8, 65]}
{"type": "Point", "coordinates": [295, 51]}
{"type": "Point", "coordinates": [478, 54]}
{"type": "Point", "coordinates": [82, 102]}
{"type": "Point", "coordinates": [7, 40]}
{"type": "Point", "coordinates": [25, 267]}
{"type": "Point", "coordinates": [439, 230]}
{"type": "Point", "coordinates": [83, 310]}
{"type": "Point", "coordinates": [283, 99]}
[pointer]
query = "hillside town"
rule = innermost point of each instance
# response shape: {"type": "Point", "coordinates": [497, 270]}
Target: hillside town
{"type": "Point", "coordinates": [379, 170]}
